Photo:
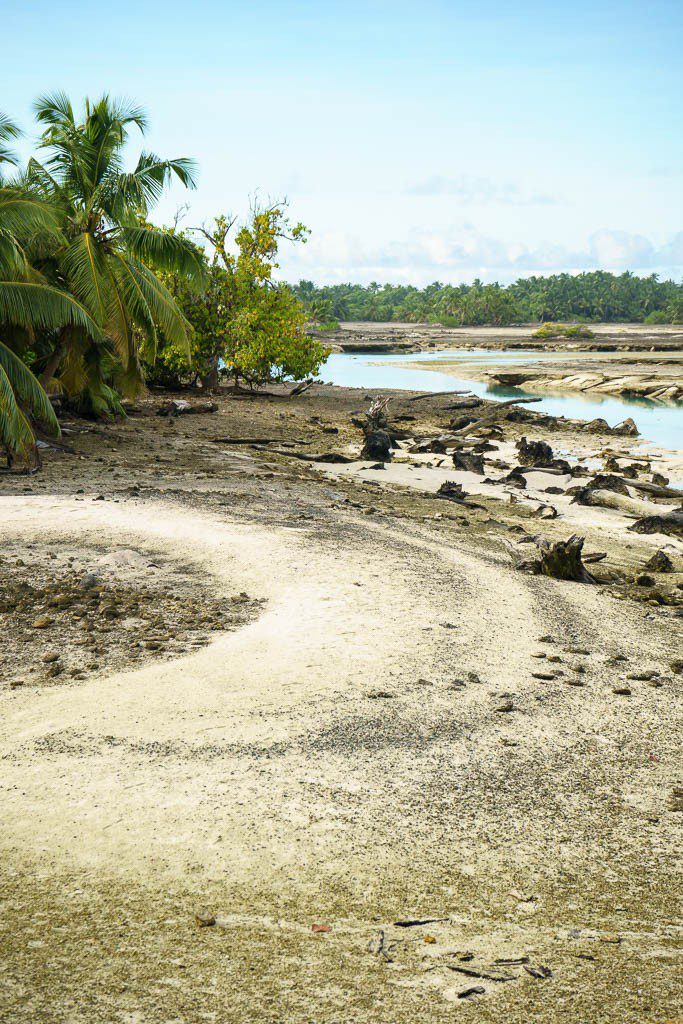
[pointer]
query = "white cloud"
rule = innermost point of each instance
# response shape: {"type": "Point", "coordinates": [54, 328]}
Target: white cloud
{"type": "Point", "coordinates": [464, 253]}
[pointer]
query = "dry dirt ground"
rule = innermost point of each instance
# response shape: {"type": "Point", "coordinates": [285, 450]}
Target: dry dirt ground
{"type": "Point", "coordinates": [300, 710]}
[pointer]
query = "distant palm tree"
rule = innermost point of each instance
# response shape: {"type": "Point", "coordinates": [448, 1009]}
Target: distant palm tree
{"type": "Point", "coordinates": [108, 248]}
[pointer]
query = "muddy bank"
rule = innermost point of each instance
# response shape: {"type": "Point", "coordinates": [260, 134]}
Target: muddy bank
{"type": "Point", "coordinates": [414, 778]}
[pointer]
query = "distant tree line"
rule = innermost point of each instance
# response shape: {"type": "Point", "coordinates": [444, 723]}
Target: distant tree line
{"type": "Point", "coordinates": [597, 296]}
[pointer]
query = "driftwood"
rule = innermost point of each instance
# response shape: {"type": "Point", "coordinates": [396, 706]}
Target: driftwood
{"type": "Point", "coordinates": [299, 388]}
{"type": "Point", "coordinates": [435, 394]}
{"type": "Point", "coordinates": [597, 498]}
{"type": "Point", "coordinates": [656, 490]}
{"type": "Point", "coordinates": [257, 440]}
{"type": "Point", "coordinates": [493, 414]}
{"type": "Point", "coordinates": [331, 457]}
{"type": "Point", "coordinates": [452, 491]}
{"type": "Point", "coordinates": [179, 407]}
{"type": "Point", "coordinates": [595, 556]}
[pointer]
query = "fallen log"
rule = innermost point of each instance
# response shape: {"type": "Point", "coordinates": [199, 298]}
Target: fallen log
{"type": "Point", "coordinates": [595, 497]}
{"type": "Point", "coordinates": [331, 457]}
{"type": "Point", "coordinates": [257, 440]}
{"type": "Point", "coordinates": [436, 394]}
{"type": "Point", "coordinates": [179, 407]}
{"type": "Point", "coordinates": [493, 414]}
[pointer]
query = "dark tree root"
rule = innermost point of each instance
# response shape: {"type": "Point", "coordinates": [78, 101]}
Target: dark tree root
{"type": "Point", "coordinates": [561, 560]}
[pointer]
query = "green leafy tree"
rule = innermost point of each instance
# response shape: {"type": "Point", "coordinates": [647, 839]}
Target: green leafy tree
{"type": "Point", "coordinates": [246, 326]}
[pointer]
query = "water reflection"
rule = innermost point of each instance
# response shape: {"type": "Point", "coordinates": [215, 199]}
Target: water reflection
{"type": "Point", "coordinates": [661, 424]}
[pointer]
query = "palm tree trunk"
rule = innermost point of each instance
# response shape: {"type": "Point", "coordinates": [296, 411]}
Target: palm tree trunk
{"type": "Point", "coordinates": [53, 362]}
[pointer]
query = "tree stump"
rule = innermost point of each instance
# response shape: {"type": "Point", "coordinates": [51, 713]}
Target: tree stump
{"type": "Point", "coordinates": [562, 560]}
{"type": "Point", "coordinates": [377, 447]}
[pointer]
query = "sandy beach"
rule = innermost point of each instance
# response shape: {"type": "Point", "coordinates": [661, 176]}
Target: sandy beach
{"type": "Point", "coordinates": [358, 713]}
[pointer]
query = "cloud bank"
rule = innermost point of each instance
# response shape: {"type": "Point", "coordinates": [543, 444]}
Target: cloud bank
{"type": "Point", "coordinates": [463, 254]}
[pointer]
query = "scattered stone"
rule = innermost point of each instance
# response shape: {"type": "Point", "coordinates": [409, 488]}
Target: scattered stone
{"type": "Point", "coordinates": [670, 524]}
{"type": "Point", "coordinates": [507, 705]}
{"type": "Point", "coordinates": [626, 428]}
{"type": "Point", "coordinates": [675, 799]}
{"type": "Point", "coordinates": [205, 919]}
{"type": "Point", "coordinates": [622, 691]}
{"type": "Point", "coordinates": [50, 657]}
{"type": "Point", "coordinates": [42, 622]}
{"type": "Point", "coordinates": [660, 562]}
{"type": "Point", "coordinates": [469, 462]}
{"type": "Point", "coordinates": [644, 580]}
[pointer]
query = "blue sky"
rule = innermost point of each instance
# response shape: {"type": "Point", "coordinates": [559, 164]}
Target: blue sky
{"type": "Point", "coordinates": [419, 142]}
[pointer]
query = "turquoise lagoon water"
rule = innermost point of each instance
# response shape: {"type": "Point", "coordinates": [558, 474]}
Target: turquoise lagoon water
{"type": "Point", "coordinates": [661, 424]}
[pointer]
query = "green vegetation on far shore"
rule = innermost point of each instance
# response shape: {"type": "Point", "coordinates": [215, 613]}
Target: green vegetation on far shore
{"type": "Point", "coordinates": [593, 297]}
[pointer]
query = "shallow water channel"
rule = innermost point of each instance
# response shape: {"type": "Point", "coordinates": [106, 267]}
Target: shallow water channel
{"type": "Point", "coordinates": [662, 424]}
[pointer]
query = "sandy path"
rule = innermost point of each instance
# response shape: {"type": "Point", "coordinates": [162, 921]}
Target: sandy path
{"type": "Point", "coordinates": [267, 769]}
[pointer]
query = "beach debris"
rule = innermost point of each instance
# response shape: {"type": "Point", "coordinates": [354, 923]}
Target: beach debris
{"type": "Point", "coordinates": [377, 446]}
{"type": "Point", "coordinates": [376, 417]}
{"type": "Point", "coordinates": [418, 922]}
{"type": "Point", "coordinates": [180, 407]}
{"type": "Point", "coordinates": [670, 524]}
{"type": "Point", "coordinates": [660, 562]}
{"type": "Point", "coordinates": [545, 512]}
{"type": "Point", "coordinates": [540, 972]}
{"type": "Point", "coordinates": [471, 972]}
{"type": "Point", "coordinates": [626, 428]}
{"type": "Point", "coordinates": [379, 946]}
{"type": "Point", "coordinates": [475, 990]}
{"type": "Point", "coordinates": [560, 560]}
{"type": "Point", "coordinates": [469, 462]}
{"type": "Point", "coordinates": [204, 918]}
{"type": "Point", "coordinates": [494, 413]}
{"type": "Point", "coordinates": [534, 453]}
{"type": "Point", "coordinates": [592, 493]}
{"type": "Point", "coordinates": [515, 477]}
{"type": "Point", "coordinates": [452, 491]}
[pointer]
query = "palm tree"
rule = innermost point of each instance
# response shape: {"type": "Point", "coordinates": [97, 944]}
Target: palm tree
{"type": "Point", "coordinates": [109, 249]}
{"type": "Point", "coordinates": [27, 304]}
